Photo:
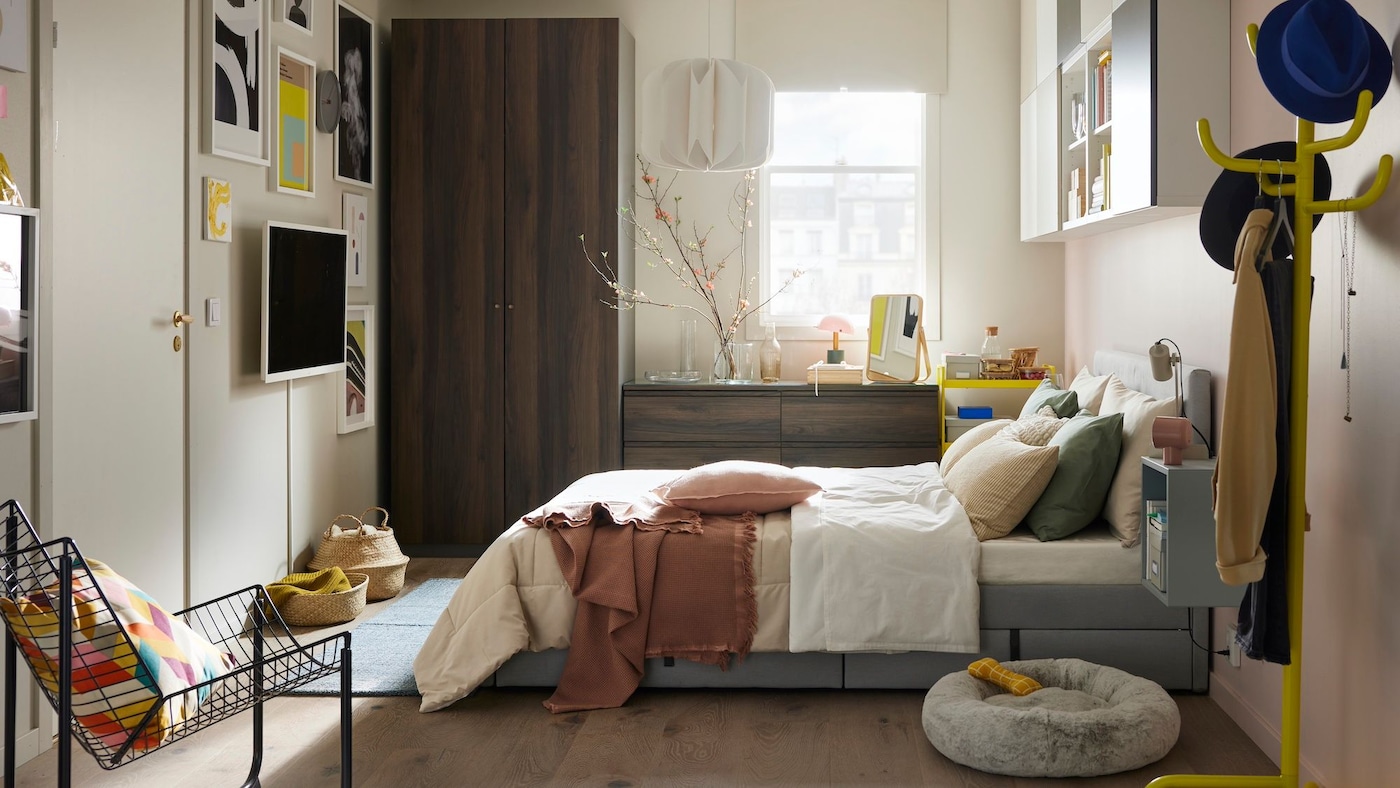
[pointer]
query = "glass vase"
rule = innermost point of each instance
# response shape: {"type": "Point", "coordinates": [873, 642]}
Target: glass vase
{"type": "Point", "coordinates": [733, 361]}
{"type": "Point", "coordinates": [770, 356]}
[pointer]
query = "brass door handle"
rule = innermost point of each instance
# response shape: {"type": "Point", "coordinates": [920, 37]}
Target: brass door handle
{"type": "Point", "coordinates": [181, 320]}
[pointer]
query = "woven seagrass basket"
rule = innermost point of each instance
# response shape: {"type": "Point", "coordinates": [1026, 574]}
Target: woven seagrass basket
{"type": "Point", "coordinates": [321, 610]}
{"type": "Point", "coordinates": [372, 551]}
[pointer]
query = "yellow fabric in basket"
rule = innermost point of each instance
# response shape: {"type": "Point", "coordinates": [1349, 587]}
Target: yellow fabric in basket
{"type": "Point", "coordinates": [989, 669]}
{"type": "Point", "coordinates": [326, 581]}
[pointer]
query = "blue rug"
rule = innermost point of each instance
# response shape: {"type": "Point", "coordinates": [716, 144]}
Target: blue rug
{"type": "Point", "coordinates": [385, 646]}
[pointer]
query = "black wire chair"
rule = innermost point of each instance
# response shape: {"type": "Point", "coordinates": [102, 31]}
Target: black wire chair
{"type": "Point", "coordinates": [268, 660]}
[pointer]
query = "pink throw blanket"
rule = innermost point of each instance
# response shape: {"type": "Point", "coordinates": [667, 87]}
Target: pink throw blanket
{"type": "Point", "coordinates": [651, 580]}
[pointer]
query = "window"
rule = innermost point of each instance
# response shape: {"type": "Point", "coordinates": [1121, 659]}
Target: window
{"type": "Point", "coordinates": [847, 174]}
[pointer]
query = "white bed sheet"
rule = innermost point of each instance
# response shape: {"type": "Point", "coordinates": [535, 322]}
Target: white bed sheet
{"type": "Point", "coordinates": [1093, 556]}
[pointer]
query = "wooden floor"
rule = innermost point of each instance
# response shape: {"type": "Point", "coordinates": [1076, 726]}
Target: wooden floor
{"type": "Point", "coordinates": [666, 738]}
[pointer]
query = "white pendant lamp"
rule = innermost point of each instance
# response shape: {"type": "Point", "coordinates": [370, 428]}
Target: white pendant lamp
{"type": "Point", "coordinates": [707, 114]}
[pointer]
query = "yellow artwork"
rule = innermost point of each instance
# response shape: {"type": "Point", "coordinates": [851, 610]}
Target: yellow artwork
{"type": "Point", "coordinates": [218, 210]}
{"type": "Point", "coordinates": [295, 76]}
{"type": "Point", "coordinates": [9, 192]}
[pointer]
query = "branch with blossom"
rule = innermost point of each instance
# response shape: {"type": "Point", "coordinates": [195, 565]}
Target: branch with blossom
{"type": "Point", "coordinates": [691, 262]}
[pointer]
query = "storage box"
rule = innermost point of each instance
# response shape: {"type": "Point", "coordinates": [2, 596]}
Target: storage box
{"type": "Point", "coordinates": [962, 366]}
{"type": "Point", "coordinates": [1156, 568]}
{"type": "Point", "coordinates": [974, 411]}
{"type": "Point", "coordinates": [957, 427]}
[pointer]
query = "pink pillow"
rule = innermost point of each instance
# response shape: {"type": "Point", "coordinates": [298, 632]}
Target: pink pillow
{"type": "Point", "coordinates": [737, 486]}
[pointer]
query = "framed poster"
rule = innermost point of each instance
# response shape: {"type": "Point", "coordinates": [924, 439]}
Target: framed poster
{"type": "Point", "coordinates": [237, 99]}
{"type": "Point", "coordinates": [356, 409]}
{"type": "Point", "coordinates": [354, 62]}
{"type": "Point", "coordinates": [14, 35]}
{"type": "Point", "coordinates": [298, 14]}
{"type": "Point", "coordinates": [355, 222]}
{"type": "Point", "coordinates": [296, 89]}
{"type": "Point", "coordinates": [218, 210]}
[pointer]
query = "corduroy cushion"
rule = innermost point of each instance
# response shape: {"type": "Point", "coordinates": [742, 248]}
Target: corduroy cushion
{"type": "Point", "coordinates": [1065, 403]}
{"type": "Point", "coordinates": [737, 486]}
{"type": "Point", "coordinates": [999, 481]}
{"type": "Point", "coordinates": [1123, 507]}
{"type": "Point", "coordinates": [1090, 389]}
{"type": "Point", "coordinates": [970, 440]}
{"type": "Point", "coordinates": [1036, 429]}
{"type": "Point", "coordinates": [1089, 447]}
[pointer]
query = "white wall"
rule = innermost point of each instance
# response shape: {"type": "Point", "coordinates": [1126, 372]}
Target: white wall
{"type": "Point", "coordinates": [1126, 289]}
{"type": "Point", "coordinates": [240, 440]}
{"type": "Point", "coordinates": [986, 275]}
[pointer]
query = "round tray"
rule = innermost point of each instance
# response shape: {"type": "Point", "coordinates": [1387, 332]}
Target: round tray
{"type": "Point", "coordinates": [672, 376]}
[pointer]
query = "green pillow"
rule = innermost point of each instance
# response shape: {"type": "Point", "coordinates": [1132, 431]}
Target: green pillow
{"type": "Point", "coordinates": [1089, 447]}
{"type": "Point", "coordinates": [1065, 403]}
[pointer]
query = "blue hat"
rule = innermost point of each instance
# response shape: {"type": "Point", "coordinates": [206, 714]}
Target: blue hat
{"type": "Point", "coordinates": [1316, 56]}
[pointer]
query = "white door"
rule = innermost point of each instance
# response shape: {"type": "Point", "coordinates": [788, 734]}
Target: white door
{"type": "Point", "coordinates": [117, 211]}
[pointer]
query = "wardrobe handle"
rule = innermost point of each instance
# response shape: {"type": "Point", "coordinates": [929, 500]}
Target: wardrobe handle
{"type": "Point", "coordinates": [498, 306]}
{"type": "Point", "coordinates": [510, 306]}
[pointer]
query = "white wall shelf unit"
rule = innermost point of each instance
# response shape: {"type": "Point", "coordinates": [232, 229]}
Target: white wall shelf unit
{"type": "Point", "coordinates": [1123, 117]}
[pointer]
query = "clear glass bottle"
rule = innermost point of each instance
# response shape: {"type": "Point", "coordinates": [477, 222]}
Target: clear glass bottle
{"type": "Point", "coordinates": [991, 346]}
{"type": "Point", "coordinates": [770, 356]}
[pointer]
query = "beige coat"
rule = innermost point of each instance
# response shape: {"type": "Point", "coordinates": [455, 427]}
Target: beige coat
{"type": "Point", "coordinates": [1248, 456]}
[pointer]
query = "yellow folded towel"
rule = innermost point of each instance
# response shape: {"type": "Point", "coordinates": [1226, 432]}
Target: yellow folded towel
{"type": "Point", "coordinates": [326, 581]}
{"type": "Point", "coordinates": [989, 669]}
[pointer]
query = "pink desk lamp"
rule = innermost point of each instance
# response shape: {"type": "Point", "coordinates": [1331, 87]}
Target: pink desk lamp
{"type": "Point", "coordinates": [1171, 434]}
{"type": "Point", "coordinates": [837, 325]}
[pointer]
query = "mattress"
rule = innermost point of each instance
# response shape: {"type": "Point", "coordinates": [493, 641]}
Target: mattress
{"type": "Point", "coordinates": [1093, 556]}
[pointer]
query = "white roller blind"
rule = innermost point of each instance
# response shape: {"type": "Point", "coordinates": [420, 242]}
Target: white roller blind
{"type": "Point", "coordinates": [864, 45]}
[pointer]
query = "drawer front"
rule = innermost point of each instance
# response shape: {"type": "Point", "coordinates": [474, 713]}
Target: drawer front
{"type": "Point", "coordinates": [865, 418]}
{"type": "Point", "coordinates": [706, 418]}
{"type": "Point", "coordinates": [686, 457]}
{"type": "Point", "coordinates": [849, 456]}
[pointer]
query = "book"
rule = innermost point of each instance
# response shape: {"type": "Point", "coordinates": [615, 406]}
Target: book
{"type": "Point", "coordinates": [835, 374]}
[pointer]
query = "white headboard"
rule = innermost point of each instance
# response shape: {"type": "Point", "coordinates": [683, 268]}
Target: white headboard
{"type": "Point", "coordinates": [1136, 372]}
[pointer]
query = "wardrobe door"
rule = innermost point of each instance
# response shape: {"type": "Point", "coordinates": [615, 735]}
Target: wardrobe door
{"type": "Point", "coordinates": [446, 291]}
{"type": "Point", "coordinates": [563, 401]}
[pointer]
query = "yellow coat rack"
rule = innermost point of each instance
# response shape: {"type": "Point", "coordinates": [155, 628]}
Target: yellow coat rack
{"type": "Point", "coordinates": [1304, 208]}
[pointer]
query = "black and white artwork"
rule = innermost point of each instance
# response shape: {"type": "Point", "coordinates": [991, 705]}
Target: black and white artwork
{"type": "Point", "coordinates": [354, 137]}
{"type": "Point", "coordinates": [298, 14]}
{"type": "Point", "coordinates": [238, 92]}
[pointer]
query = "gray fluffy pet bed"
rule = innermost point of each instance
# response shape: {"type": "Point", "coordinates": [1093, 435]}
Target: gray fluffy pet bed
{"type": "Point", "coordinates": [1088, 720]}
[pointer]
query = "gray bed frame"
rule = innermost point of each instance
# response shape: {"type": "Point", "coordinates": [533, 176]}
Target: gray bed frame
{"type": "Point", "coordinates": [1119, 625]}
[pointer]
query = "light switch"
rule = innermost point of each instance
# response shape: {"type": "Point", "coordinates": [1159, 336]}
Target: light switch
{"type": "Point", "coordinates": [213, 312]}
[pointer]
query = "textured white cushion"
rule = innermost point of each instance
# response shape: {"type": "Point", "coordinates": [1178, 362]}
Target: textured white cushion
{"type": "Point", "coordinates": [1089, 720]}
{"type": "Point", "coordinates": [999, 481]}
{"type": "Point", "coordinates": [1037, 429]}
{"type": "Point", "coordinates": [1090, 389]}
{"type": "Point", "coordinates": [1123, 507]}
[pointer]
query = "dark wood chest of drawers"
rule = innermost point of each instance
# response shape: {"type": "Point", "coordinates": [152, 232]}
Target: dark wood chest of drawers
{"type": "Point", "coordinates": [681, 426]}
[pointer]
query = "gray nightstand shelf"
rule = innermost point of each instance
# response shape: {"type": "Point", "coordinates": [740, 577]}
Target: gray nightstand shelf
{"type": "Point", "coordinates": [1179, 567]}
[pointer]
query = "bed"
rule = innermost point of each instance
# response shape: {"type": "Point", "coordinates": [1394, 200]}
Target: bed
{"type": "Point", "coordinates": [509, 624]}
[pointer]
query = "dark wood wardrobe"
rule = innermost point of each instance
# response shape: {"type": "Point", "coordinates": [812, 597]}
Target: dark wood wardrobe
{"type": "Point", "coordinates": [509, 140]}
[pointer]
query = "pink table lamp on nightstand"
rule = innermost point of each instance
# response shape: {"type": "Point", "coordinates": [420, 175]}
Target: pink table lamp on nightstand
{"type": "Point", "coordinates": [1171, 434]}
{"type": "Point", "coordinates": [837, 325]}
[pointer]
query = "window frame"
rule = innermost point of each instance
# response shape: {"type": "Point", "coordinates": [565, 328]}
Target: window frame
{"type": "Point", "coordinates": [927, 238]}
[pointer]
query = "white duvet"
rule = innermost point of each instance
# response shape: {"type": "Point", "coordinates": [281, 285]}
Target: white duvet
{"type": "Point", "coordinates": [884, 560]}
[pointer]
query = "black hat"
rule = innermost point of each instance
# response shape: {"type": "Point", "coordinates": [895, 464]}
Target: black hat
{"type": "Point", "coordinates": [1231, 198]}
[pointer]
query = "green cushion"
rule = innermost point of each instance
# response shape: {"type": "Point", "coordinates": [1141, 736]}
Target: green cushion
{"type": "Point", "coordinates": [1089, 447]}
{"type": "Point", "coordinates": [1065, 403]}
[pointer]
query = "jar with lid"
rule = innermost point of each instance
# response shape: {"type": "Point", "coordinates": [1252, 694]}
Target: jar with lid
{"type": "Point", "coordinates": [991, 346]}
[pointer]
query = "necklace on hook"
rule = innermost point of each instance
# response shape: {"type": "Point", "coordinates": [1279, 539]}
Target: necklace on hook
{"type": "Point", "coordinates": [1347, 233]}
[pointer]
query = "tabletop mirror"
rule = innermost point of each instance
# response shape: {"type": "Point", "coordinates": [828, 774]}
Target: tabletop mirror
{"type": "Point", "coordinates": [898, 353]}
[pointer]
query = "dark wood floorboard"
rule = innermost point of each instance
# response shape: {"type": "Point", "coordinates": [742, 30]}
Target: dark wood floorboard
{"type": "Point", "coordinates": [504, 737]}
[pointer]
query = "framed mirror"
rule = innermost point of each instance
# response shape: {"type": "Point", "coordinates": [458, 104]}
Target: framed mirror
{"type": "Point", "coordinates": [898, 353]}
{"type": "Point", "coordinates": [19, 280]}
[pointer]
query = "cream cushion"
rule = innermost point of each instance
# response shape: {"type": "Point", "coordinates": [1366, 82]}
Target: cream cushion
{"type": "Point", "coordinates": [999, 481]}
{"type": "Point", "coordinates": [1090, 389]}
{"type": "Point", "coordinates": [1123, 507]}
{"type": "Point", "coordinates": [970, 440]}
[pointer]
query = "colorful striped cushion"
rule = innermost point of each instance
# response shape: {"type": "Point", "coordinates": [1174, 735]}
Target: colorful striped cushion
{"type": "Point", "coordinates": [111, 696]}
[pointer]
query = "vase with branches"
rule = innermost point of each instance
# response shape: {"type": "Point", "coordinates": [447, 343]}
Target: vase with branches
{"type": "Point", "coordinates": [688, 254]}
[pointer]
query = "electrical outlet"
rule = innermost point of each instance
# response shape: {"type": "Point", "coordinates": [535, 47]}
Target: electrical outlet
{"type": "Point", "coordinates": [1230, 631]}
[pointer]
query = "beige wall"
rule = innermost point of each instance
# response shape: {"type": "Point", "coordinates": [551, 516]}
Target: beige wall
{"type": "Point", "coordinates": [986, 275]}
{"type": "Point", "coordinates": [251, 448]}
{"type": "Point", "coordinates": [1126, 289]}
